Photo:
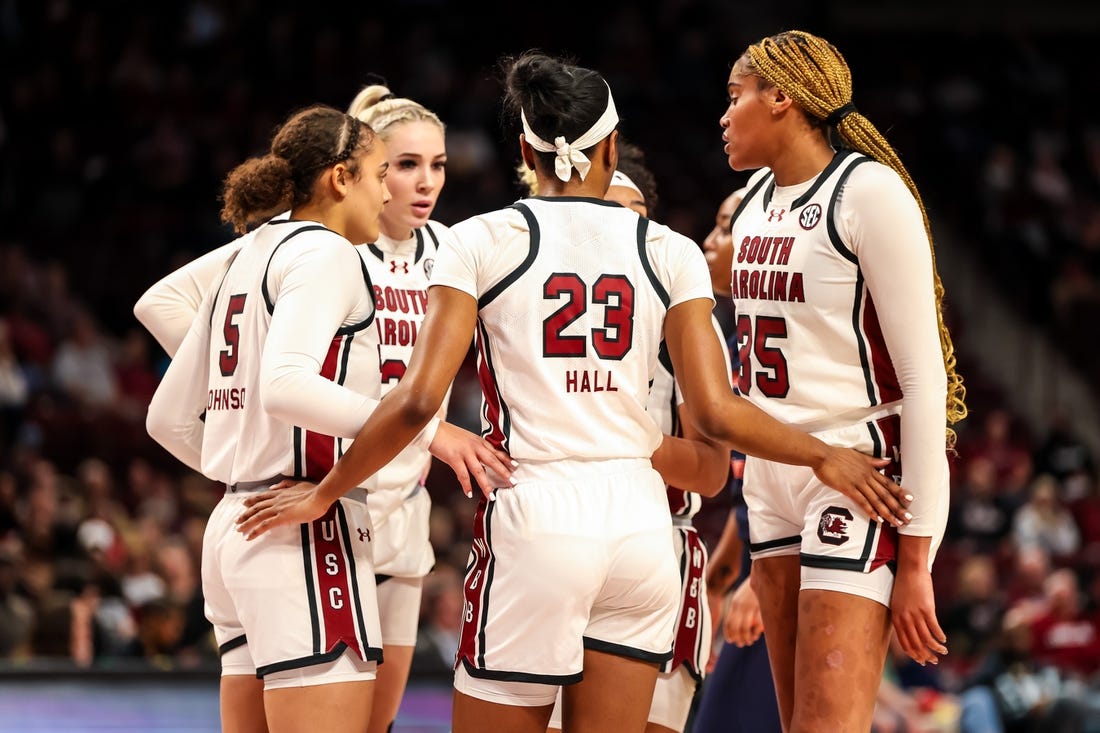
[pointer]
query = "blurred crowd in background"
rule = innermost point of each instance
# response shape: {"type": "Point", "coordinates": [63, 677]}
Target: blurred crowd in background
{"type": "Point", "coordinates": [118, 122]}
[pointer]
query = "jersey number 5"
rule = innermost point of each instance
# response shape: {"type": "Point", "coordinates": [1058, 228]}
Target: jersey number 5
{"type": "Point", "coordinates": [773, 379]}
{"type": "Point", "coordinates": [613, 340]}
{"type": "Point", "coordinates": [227, 358]}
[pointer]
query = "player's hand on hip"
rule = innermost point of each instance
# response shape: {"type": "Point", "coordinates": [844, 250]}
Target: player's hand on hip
{"type": "Point", "coordinates": [472, 458]}
{"type": "Point", "coordinates": [913, 613]}
{"type": "Point", "coordinates": [284, 503]}
{"type": "Point", "coordinates": [857, 476]}
{"type": "Point", "coordinates": [743, 624]}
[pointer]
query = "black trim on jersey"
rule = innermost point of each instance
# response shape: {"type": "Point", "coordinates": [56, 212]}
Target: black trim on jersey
{"type": "Point", "coordinates": [419, 245]}
{"type": "Point", "coordinates": [487, 582]}
{"type": "Point", "coordinates": [311, 592]}
{"type": "Point", "coordinates": [666, 361]}
{"type": "Point", "coordinates": [772, 544]}
{"type": "Point", "coordinates": [543, 679]}
{"type": "Point", "coordinates": [350, 329]}
{"type": "Point", "coordinates": [580, 199]}
{"type": "Point", "coordinates": [843, 563]}
{"type": "Point", "coordinates": [533, 229]}
{"type": "Point", "coordinates": [626, 651]}
{"type": "Point", "coordinates": [373, 249]}
{"type": "Point", "coordinates": [263, 283]}
{"type": "Point", "coordinates": [299, 453]}
{"type": "Point", "coordinates": [643, 227]}
{"type": "Point", "coordinates": [342, 375]}
{"type": "Point", "coordinates": [505, 413]}
{"type": "Point", "coordinates": [373, 655]}
{"type": "Point", "coordinates": [861, 343]}
{"type": "Point", "coordinates": [748, 197]}
{"type": "Point", "coordinates": [232, 644]}
{"type": "Point", "coordinates": [822, 177]}
{"type": "Point", "coordinates": [435, 241]}
{"type": "Point", "coordinates": [830, 219]}
{"type": "Point", "coordinates": [379, 578]}
{"type": "Point", "coordinates": [354, 577]}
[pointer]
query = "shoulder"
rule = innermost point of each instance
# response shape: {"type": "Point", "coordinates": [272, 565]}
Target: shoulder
{"type": "Point", "coordinates": [869, 176]}
{"type": "Point", "coordinates": [664, 237]}
{"type": "Point", "coordinates": [312, 243]}
{"type": "Point", "coordinates": [494, 226]}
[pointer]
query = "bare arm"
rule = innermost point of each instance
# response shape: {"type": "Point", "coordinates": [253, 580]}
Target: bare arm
{"type": "Point", "coordinates": [730, 419]}
{"type": "Point", "coordinates": [692, 462]}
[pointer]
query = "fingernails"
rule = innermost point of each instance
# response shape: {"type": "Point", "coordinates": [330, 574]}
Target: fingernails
{"type": "Point", "coordinates": [878, 519]}
{"type": "Point", "coordinates": [908, 516]}
{"type": "Point", "coordinates": [909, 497]}
{"type": "Point", "coordinates": [515, 464]}
{"type": "Point", "coordinates": [512, 480]}
{"type": "Point", "coordinates": [492, 496]}
{"type": "Point", "coordinates": [469, 495]}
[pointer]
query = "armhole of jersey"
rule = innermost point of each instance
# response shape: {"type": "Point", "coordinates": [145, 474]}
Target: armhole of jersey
{"type": "Point", "coordinates": [643, 255]}
{"type": "Point", "coordinates": [221, 283]}
{"type": "Point", "coordinates": [373, 249]}
{"type": "Point", "coordinates": [263, 284]}
{"type": "Point", "coordinates": [346, 330]}
{"type": "Point", "coordinates": [748, 197]}
{"type": "Point", "coordinates": [834, 235]}
{"type": "Point", "coordinates": [435, 241]}
{"type": "Point", "coordinates": [533, 250]}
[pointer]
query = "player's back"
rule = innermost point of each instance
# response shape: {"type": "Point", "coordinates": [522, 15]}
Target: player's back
{"type": "Point", "coordinates": [572, 295]}
{"type": "Point", "coordinates": [241, 441]}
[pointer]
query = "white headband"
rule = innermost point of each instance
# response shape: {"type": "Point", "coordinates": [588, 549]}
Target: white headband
{"type": "Point", "coordinates": [618, 178]}
{"type": "Point", "coordinates": [569, 153]}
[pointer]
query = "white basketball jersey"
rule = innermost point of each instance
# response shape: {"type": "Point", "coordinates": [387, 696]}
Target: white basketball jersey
{"type": "Point", "coordinates": [811, 347]}
{"type": "Point", "coordinates": [572, 295]}
{"type": "Point", "coordinates": [399, 272]}
{"type": "Point", "coordinates": [241, 441]}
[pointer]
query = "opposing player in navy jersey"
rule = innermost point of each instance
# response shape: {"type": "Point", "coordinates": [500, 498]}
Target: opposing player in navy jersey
{"type": "Point", "coordinates": [840, 332]}
{"type": "Point", "coordinates": [263, 387]}
{"type": "Point", "coordinates": [572, 579]}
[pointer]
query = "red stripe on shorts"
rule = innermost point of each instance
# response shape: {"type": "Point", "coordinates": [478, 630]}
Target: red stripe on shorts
{"type": "Point", "coordinates": [337, 604]}
{"type": "Point", "coordinates": [886, 551]}
{"type": "Point", "coordinates": [689, 626]}
{"type": "Point", "coordinates": [475, 590]}
{"type": "Point", "coordinates": [489, 389]}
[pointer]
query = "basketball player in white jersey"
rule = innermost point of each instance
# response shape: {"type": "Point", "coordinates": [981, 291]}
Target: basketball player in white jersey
{"type": "Point", "coordinates": [680, 675]}
{"type": "Point", "coordinates": [258, 388]}
{"type": "Point", "coordinates": [571, 578]}
{"type": "Point", "coordinates": [399, 264]}
{"type": "Point", "coordinates": [840, 333]}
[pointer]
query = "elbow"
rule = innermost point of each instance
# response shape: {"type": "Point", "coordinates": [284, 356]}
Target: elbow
{"type": "Point", "coordinates": [715, 473]}
{"type": "Point", "coordinates": [711, 421]}
{"type": "Point", "coordinates": [417, 407]}
{"type": "Point", "coordinates": [143, 310]}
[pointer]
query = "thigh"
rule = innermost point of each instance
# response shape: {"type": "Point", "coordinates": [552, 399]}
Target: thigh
{"type": "Point", "coordinates": [615, 695]}
{"type": "Point", "coordinates": [342, 707]}
{"type": "Point", "coordinates": [841, 650]}
{"type": "Point", "coordinates": [242, 704]}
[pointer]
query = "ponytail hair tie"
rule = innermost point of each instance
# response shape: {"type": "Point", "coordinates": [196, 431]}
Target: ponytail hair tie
{"type": "Point", "coordinates": [836, 116]}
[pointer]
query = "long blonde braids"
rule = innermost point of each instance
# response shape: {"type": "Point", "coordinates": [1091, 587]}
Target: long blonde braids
{"type": "Point", "coordinates": [814, 74]}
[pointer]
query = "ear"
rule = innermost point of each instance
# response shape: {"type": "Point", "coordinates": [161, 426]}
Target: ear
{"type": "Point", "coordinates": [780, 101]}
{"type": "Point", "coordinates": [527, 152]}
{"type": "Point", "coordinates": [611, 152]}
{"type": "Point", "coordinates": [339, 177]}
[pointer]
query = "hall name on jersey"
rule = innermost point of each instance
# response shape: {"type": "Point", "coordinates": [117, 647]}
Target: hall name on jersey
{"type": "Point", "coordinates": [225, 398]}
{"type": "Point", "coordinates": [398, 331]}
{"type": "Point", "coordinates": [589, 380]}
{"type": "Point", "coordinates": [755, 283]}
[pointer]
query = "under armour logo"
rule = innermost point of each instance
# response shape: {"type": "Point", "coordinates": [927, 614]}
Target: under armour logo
{"type": "Point", "coordinates": [776, 214]}
{"type": "Point", "coordinates": [364, 534]}
{"type": "Point", "coordinates": [404, 266]}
